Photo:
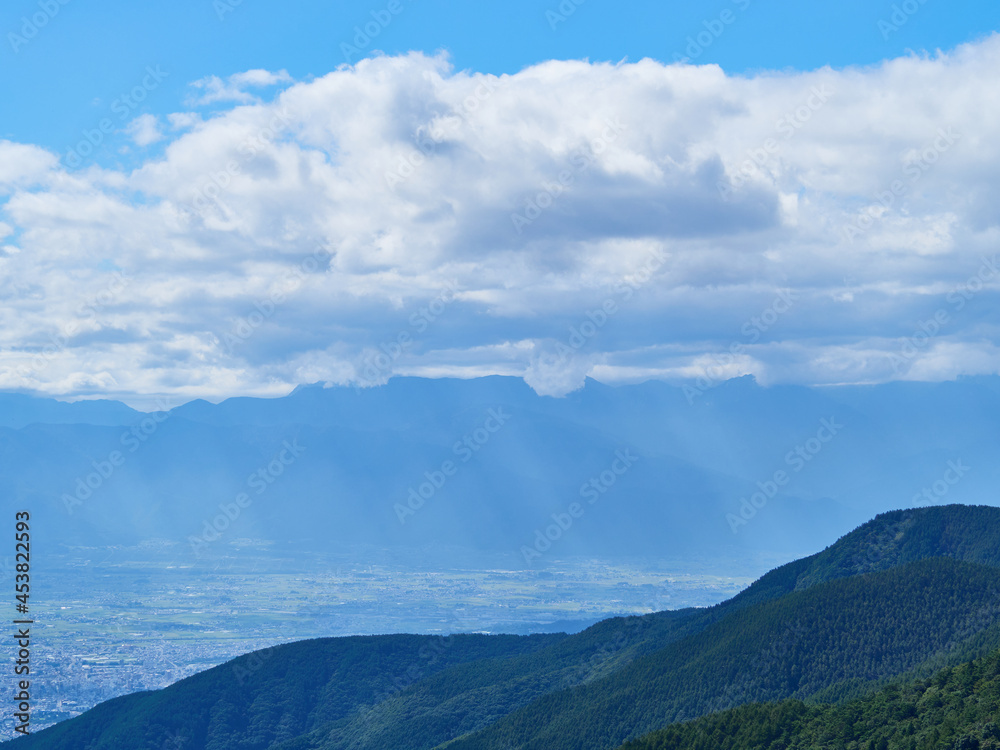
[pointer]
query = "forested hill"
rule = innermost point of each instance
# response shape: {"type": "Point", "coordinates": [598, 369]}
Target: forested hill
{"type": "Point", "coordinates": [958, 708]}
{"type": "Point", "coordinates": [962, 532]}
{"type": "Point", "coordinates": [269, 696]}
{"type": "Point", "coordinates": [903, 595]}
{"type": "Point", "coordinates": [835, 637]}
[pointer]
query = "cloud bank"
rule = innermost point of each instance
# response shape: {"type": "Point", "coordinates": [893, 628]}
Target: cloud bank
{"type": "Point", "coordinates": [622, 222]}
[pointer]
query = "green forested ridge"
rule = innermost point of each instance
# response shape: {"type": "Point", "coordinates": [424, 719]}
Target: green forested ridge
{"type": "Point", "coordinates": [470, 696]}
{"type": "Point", "coordinates": [958, 708]}
{"type": "Point", "coordinates": [270, 696]}
{"type": "Point", "coordinates": [892, 598]}
{"type": "Point", "coordinates": [856, 630]}
{"type": "Point", "coordinates": [970, 533]}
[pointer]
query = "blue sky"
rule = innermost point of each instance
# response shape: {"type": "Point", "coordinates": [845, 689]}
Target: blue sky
{"type": "Point", "coordinates": [532, 189]}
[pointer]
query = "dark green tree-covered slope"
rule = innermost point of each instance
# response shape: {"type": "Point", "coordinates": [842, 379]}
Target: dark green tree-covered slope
{"type": "Point", "coordinates": [262, 698]}
{"type": "Point", "coordinates": [962, 532]}
{"type": "Point", "coordinates": [470, 696]}
{"type": "Point", "coordinates": [269, 696]}
{"type": "Point", "coordinates": [858, 630]}
{"type": "Point", "coordinates": [958, 708]}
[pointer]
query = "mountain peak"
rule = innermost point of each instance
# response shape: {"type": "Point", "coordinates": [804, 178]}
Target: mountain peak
{"type": "Point", "coordinates": [970, 533]}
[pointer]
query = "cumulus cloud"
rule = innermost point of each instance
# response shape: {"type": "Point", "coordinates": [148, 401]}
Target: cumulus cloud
{"type": "Point", "coordinates": [575, 219]}
{"type": "Point", "coordinates": [144, 130]}
{"type": "Point", "coordinates": [23, 165]}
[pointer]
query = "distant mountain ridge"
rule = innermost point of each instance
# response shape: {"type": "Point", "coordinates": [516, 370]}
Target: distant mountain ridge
{"type": "Point", "coordinates": [904, 594]}
{"type": "Point", "coordinates": [20, 410]}
{"type": "Point", "coordinates": [701, 463]}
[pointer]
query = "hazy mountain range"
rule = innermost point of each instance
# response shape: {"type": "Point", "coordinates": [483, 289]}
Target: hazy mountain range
{"type": "Point", "coordinates": [488, 465]}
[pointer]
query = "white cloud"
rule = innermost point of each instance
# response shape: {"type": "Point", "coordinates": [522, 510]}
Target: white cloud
{"type": "Point", "coordinates": [234, 88]}
{"type": "Point", "coordinates": [183, 120]}
{"type": "Point", "coordinates": [22, 166]}
{"type": "Point", "coordinates": [144, 130]}
{"type": "Point", "coordinates": [258, 78]}
{"type": "Point", "coordinates": [538, 198]}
